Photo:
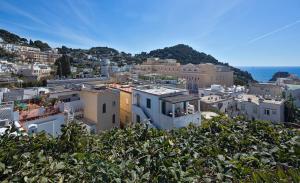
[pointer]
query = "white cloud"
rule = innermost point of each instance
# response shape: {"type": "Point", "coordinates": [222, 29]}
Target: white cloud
{"type": "Point", "coordinates": [10, 8]}
{"type": "Point", "coordinates": [274, 32]}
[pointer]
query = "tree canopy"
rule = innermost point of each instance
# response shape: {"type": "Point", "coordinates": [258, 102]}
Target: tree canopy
{"type": "Point", "coordinates": [63, 65]}
{"type": "Point", "coordinates": [221, 150]}
{"type": "Point", "coordinates": [39, 44]}
{"type": "Point", "coordinates": [12, 38]}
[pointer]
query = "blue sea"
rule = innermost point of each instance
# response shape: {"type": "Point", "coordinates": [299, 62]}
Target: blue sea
{"type": "Point", "coordinates": [264, 74]}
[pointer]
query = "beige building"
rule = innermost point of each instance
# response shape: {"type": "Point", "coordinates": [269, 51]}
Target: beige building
{"type": "Point", "coordinates": [196, 76]}
{"type": "Point", "coordinates": [101, 107]}
{"type": "Point", "coordinates": [48, 57]}
{"type": "Point", "coordinates": [156, 65]}
{"type": "Point", "coordinates": [125, 103]}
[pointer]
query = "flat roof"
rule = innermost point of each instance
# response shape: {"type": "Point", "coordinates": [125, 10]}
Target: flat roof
{"type": "Point", "coordinates": [213, 98]}
{"type": "Point", "coordinates": [293, 87]}
{"type": "Point", "coordinates": [255, 99]}
{"type": "Point", "coordinates": [180, 98]}
{"type": "Point", "coordinates": [125, 88]}
{"type": "Point", "coordinates": [159, 90]}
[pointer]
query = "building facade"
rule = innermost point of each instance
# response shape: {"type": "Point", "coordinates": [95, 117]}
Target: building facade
{"type": "Point", "coordinates": [125, 103]}
{"type": "Point", "coordinates": [258, 108]}
{"type": "Point", "coordinates": [101, 107]}
{"type": "Point", "coordinates": [165, 108]}
{"type": "Point", "coordinates": [196, 76]}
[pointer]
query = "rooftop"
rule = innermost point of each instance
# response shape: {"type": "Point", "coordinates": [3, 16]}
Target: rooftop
{"type": "Point", "coordinates": [255, 99]}
{"type": "Point", "coordinates": [293, 87]}
{"type": "Point", "coordinates": [180, 98]}
{"type": "Point", "coordinates": [212, 98]}
{"type": "Point", "coordinates": [159, 90]}
{"type": "Point", "coordinates": [126, 88]}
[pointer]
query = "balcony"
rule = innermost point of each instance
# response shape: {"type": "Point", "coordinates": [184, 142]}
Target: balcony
{"type": "Point", "coordinates": [179, 111]}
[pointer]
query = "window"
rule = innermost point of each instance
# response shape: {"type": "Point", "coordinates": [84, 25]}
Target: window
{"type": "Point", "coordinates": [138, 118]}
{"type": "Point", "coordinates": [254, 110]}
{"type": "Point", "coordinates": [148, 103]}
{"type": "Point", "coordinates": [267, 112]}
{"type": "Point", "coordinates": [163, 107]}
{"type": "Point", "coordinates": [104, 108]}
{"type": "Point", "coordinates": [114, 103]}
{"type": "Point", "coordinates": [113, 118]}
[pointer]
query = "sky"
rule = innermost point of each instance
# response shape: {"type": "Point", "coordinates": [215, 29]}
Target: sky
{"type": "Point", "coordinates": [239, 32]}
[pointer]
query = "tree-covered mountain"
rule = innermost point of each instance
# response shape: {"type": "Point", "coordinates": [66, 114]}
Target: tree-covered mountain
{"type": "Point", "coordinates": [39, 44]}
{"type": "Point", "coordinates": [12, 38]}
{"type": "Point", "coordinates": [186, 54]}
{"type": "Point", "coordinates": [183, 53]}
{"type": "Point", "coordinates": [9, 37]}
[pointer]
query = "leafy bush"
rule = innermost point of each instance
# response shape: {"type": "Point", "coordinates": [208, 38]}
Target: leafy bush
{"type": "Point", "coordinates": [221, 150]}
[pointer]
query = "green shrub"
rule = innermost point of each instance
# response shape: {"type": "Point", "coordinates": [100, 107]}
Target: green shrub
{"type": "Point", "coordinates": [221, 150]}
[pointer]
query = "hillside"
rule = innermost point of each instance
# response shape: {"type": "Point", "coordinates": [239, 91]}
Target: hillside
{"type": "Point", "coordinates": [186, 54]}
{"type": "Point", "coordinates": [221, 150]}
{"type": "Point", "coordinates": [183, 53]}
{"type": "Point", "coordinates": [12, 38]}
{"type": "Point", "coordinates": [9, 37]}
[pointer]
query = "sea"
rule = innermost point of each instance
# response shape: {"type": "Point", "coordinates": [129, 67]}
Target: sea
{"type": "Point", "coordinates": [264, 74]}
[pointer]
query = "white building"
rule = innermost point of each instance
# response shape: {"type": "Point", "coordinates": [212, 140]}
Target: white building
{"type": "Point", "coordinates": [165, 108]}
{"type": "Point", "coordinates": [232, 91]}
{"type": "Point", "coordinates": [35, 70]}
{"type": "Point", "coordinates": [258, 108]}
{"type": "Point", "coordinates": [7, 67]}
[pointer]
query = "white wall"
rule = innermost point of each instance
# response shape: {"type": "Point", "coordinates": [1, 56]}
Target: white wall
{"type": "Point", "coordinates": [253, 111]}
{"type": "Point", "coordinates": [51, 124]}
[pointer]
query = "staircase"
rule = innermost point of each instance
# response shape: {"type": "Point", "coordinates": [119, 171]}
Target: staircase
{"type": "Point", "coordinates": [145, 116]}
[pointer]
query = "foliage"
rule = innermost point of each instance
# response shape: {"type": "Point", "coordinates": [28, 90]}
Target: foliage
{"type": "Point", "coordinates": [39, 44]}
{"type": "Point", "coordinates": [221, 150]}
{"type": "Point", "coordinates": [5, 54]}
{"type": "Point", "coordinates": [292, 113]}
{"type": "Point", "coordinates": [12, 38]}
{"type": "Point", "coordinates": [64, 66]}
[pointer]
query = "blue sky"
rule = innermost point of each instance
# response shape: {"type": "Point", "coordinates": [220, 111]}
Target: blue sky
{"type": "Point", "coordinates": [242, 33]}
